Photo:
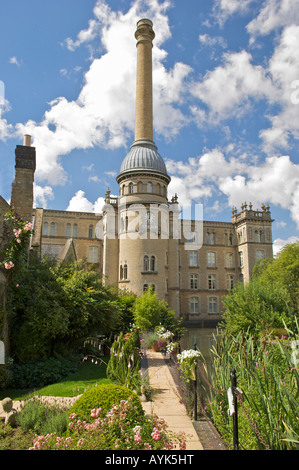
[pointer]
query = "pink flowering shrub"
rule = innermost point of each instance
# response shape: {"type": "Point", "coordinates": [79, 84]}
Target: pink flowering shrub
{"type": "Point", "coordinates": [21, 234]}
{"type": "Point", "coordinates": [119, 429]}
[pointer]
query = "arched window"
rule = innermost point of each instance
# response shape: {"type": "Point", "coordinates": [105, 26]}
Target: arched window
{"type": "Point", "coordinates": [153, 263]}
{"type": "Point", "coordinates": [121, 272]}
{"type": "Point", "coordinates": [90, 231]}
{"type": "Point", "coordinates": [145, 287]}
{"type": "Point", "coordinates": [131, 188]}
{"type": "Point", "coordinates": [52, 229]}
{"type": "Point", "coordinates": [75, 230]}
{"type": "Point", "coordinates": [68, 230]}
{"type": "Point", "coordinates": [125, 272]}
{"type": "Point", "coordinates": [149, 187]}
{"type": "Point", "coordinates": [145, 263]}
{"type": "Point", "coordinates": [45, 228]}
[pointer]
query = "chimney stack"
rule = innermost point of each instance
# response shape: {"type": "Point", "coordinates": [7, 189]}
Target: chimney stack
{"type": "Point", "coordinates": [144, 93]}
{"type": "Point", "coordinates": [22, 186]}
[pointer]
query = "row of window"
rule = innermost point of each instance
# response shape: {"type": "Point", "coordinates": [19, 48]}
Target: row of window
{"type": "Point", "coordinates": [229, 259]}
{"type": "Point", "coordinates": [141, 187]}
{"type": "Point", "coordinates": [211, 238]}
{"type": "Point", "coordinates": [150, 265]}
{"type": "Point", "coordinates": [211, 259]}
{"type": "Point", "coordinates": [212, 305]}
{"type": "Point", "coordinates": [212, 281]}
{"type": "Point", "coordinates": [258, 235]}
{"type": "Point", "coordinates": [71, 230]}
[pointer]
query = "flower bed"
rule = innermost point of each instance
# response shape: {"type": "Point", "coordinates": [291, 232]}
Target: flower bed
{"type": "Point", "coordinates": [122, 428]}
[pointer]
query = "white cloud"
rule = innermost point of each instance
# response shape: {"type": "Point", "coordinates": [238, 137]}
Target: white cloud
{"type": "Point", "coordinates": [212, 41]}
{"type": "Point", "coordinates": [104, 112]}
{"type": "Point", "coordinates": [223, 9]}
{"type": "Point", "coordinates": [42, 195]}
{"type": "Point", "coordinates": [274, 14]}
{"type": "Point", "coordinates": [275, 181]}
{"type": "Point", "coordinates": [84, 36]}
{"type": "Point", "coordinates": [79, 203]}
{"type": "Point", "coordinates": [284, 69]}
{"type": "Point", "coordinates": [15, 61]}
{"type": "Point", "coordinates": [230, 87]}
{"type": "Point", "coordinates": [279, 243]}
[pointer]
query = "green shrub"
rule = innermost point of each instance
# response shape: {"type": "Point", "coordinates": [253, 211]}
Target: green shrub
{"type": "Point", "coordinates": [38, 374]}
{"type": "Point", "coordinates": [104, 397]}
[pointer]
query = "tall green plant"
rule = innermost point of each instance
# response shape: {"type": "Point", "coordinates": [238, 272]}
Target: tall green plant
{"type": "Point", "coordinates": [124, 363]}
{"type": "Point", "coordinates": [269, 381]}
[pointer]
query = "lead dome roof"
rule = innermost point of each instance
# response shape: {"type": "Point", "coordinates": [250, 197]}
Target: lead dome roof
{"type": "Point", "coordinates": [143, 155]}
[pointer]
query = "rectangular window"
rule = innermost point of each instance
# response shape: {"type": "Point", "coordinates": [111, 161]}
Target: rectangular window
{"type": "Point", "coordinates": [93, 254]}
{"type": "Point", "coordinates": [75, 230]}
{"type": "Point", "coordinates": [212, 282]}
{"type": "Point", "coordinates": [194, 305]}
{"type": "Point", "coordinates": [211, 260]}
{"type": "Point", "coordinates": [193, 258]}
{"type": "Point", "coordinates": [213, 305]}
{"type": "Point", "coordinates": [230, 282]}
{"type": "Point", "coordinates": [229, 261]}
{"type": "Point", "coordinates": [193, 281]}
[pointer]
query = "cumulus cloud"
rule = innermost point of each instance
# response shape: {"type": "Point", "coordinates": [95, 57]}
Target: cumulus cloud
{"type": "Point", "coordinates": [84, 36]}
{"type": "Point", "coordinates": [284, 69]}
{"type": "Point", "coordinates": [223, 9]}
{"type": "Point", "coordinates": [279, 244]}
{"type": "Point", "coordinates": [230, 87]}
{"type": "Point", "coordinates": [104, 112]}
{"type": "Point", "coordinates": [275, 181]}
{"type": "Point", "coordinates": [42, 195]}
{"type": "Point", "coordinates": [274, 15]}
{"type": "Point", "coordinates": [80, 203]}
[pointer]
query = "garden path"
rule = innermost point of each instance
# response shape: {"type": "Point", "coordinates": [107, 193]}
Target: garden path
{"type": "Point", "coordinates": [166, 402]}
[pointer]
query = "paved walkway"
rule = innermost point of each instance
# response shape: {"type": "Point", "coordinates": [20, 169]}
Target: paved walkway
{"type": "Point", "coordinates": [166, 403]}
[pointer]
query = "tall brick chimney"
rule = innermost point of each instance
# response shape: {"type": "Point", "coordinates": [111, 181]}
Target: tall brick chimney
{"type": "Point", "coordinates": [144, 94]}
{"type": "Point", "coordinates": [22, 186]}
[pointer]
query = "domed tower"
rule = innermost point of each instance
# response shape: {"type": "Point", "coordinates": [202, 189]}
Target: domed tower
{"type": "Point", "coordinates": [143, 209]}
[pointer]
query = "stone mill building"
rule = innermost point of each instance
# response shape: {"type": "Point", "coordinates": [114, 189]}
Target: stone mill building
{"type": "Point", "coordinates": [140, 240]}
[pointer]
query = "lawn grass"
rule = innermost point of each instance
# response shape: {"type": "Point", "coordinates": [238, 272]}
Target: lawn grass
{"type": "Point", "coordinates": [87, 376]}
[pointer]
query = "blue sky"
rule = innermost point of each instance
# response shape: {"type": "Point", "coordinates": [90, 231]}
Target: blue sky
{"type": "Point", "coordinates": [226, 100]}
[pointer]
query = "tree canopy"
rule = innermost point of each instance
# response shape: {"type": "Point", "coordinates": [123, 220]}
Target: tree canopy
{"type": "Point", "coordinates": [270, 300]}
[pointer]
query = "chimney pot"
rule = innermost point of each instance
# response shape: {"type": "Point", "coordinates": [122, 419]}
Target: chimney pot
{"type": "Point", "coordinates": [27, 140]}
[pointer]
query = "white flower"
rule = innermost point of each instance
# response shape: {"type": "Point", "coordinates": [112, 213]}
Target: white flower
{"type": "Point", "coordinates": [188, 354]}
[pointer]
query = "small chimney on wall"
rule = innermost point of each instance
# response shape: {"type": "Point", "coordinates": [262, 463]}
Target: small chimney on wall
{"type": "Point", "coordinates": [22, 186]}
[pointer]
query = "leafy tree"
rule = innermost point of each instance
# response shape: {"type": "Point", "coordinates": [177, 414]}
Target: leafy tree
{"type": "Point", "coordinates": [270, 300]}
{"type": "Point", "coordinates": [149, 311]}
{"type": "Point", "coordinates": [282, 271]}
{"type": "Point", "coordinates": [54, 308]}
